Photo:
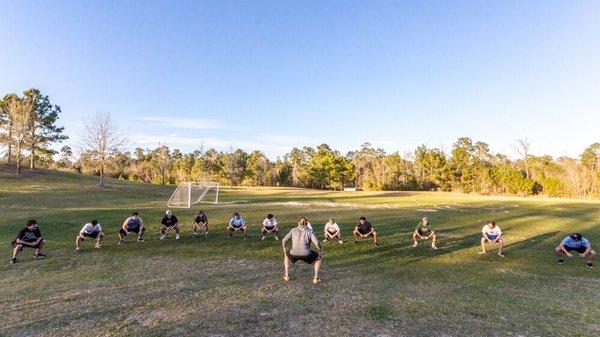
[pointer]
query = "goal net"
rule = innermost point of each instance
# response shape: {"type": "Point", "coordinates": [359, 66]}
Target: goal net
{"type": "Point", "coordinates": [190, 193]}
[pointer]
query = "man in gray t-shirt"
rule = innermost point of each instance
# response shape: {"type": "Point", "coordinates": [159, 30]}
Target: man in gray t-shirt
{"type": "Point", "coordinates": [301, 238]}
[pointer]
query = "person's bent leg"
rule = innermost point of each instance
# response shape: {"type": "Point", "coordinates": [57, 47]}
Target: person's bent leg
{"type": "Point", "coordinates": [40, 246]}
{"type": "Point", "coordinates": [375, 237]}
{"type": "Point", "coordinates": [356, 235]}
{"type": "Point", "coordinates": [176, 227]}
{"type": "Point", "coordinates": [591, 256]}
{"type": "Point", "coordinates": [286, 265]}
{"type": "Point", "coordinates": [558, 252]}
{"type": "Point", "coordinates": [483, 240]}
{"type": "Point", "coordinates": [245, 230]}
{"type": "Point", "coordinates": [77, 241]}
{"type": "Point", "coordinates": [317, 268]}
{"type": "Point", "coordinates": [100, 238]}
{"type": "Point", "coordinates": [433, 239]}
{"type": "Point", "coordinates": [501, 243]}
{"type": "Point", "coordinates": [141, 234]}
{"type": "Point", "coordinates": [17, 249]}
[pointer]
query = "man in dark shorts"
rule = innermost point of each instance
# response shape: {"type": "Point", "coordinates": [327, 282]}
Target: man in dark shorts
{"type": "Point", "coordinates": [424, 232]}
{"type": "Point", "coordinates": [200, 221]}
{"type": "Point", "coordinates": [237, 223]}
{"type": "Point", "coordinates": [29, 237]}
{"type": "Point", "coordinates": [91, 230]}
{"type": "Point", "coordinates": [169, 222]}
{"type": "Point", "coordinates": [133, 224]}
{"type": "Point", "coordinates": [576, 242]}
{"type": "Point", "coordinates": [269, 226]}
{"type": "Point", "coordinates": [365, 229]}
{"type": "Point", "coordinates": [301, 239]}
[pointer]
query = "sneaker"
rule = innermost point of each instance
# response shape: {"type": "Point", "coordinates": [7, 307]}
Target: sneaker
{"type": "Point", "coordinates": [276, 239]}
{"type": "Point", "coordinates": [482, 252]}
{"type": "Point", "coordinates": [415, 244]}
{"type": "Point", "coordinates": [176, 236]}
{"type": "Point", "coordinates": [98, 246]}
{"type": "Point", "coordinates": [375, 244]}
{"type": "Point", "coordinates": [589, 265]}
{"type": "Point", "coordinates": [195, 235]}
{"type": "Point", "coordinates": [433, 247]}
{"type": "Point", "coordinates": [262, 238]}
{"type": "Point", "coordinates": [355, 241]}
{"type": "Point", "coordinates": [122, 242]}
{"type": "Point", "coordinates": [140, 240]}
{"type": "Point", "coordinates": [325, 240]}
{"type": "Point", "coordinates": [164, 236]}
{"type": "Point", "coordinates": [501, 255]}
{"type": "Point", "coordinates": [77, 249]}
{"type": "Point", "coordinates": [286, 278]}
{"type": "Point", "coordinates": [205, 235]}
{"type": "Point", "coordinates": [245, 237]}
{"type": "Point", "coordinates": [13, 260]}
{"type": "Point", "coordinates": [316, 280]}
{"type": "Point", "coordinates": [39, 256]}
{"type": "Point", "coordinates": [340, 242]}
{"type": "Point", "coordinates": [561, 261]}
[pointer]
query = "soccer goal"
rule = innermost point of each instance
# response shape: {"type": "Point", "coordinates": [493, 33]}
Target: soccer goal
{"type": "Point", "coordinates": [190, 193]}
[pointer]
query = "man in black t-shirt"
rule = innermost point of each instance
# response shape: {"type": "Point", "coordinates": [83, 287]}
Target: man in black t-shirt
{"type": "Point", "coordinates": [365, 229]}
{"type": "Point", "coordinates": [29, 237]}
{"type": "Point", "coordinates": [169, 222]}
{"type": "Point", "coordinates": [200, 221]}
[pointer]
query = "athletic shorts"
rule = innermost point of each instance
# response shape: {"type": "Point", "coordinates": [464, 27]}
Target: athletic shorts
{"type": "Point", "coordinates": [168, 226]}
{"type": "Point", "coordinates": [423, 233]}
{"type": "Point", "coordinates": [270, 229]}
{"type": "Point", "coordinates": [236, 228]}
{"type": "Point", "coordinates": [580, 250]}
{"type": "Point", "coordinates": [310, 258]}
{"type": "Point", "coordinates": [135, 230]}
{"type": "Point", "coordinates": [333, 233]}
{"type": "Point", "coordinates": [492, 237]}
{"type": "Point", "coordinates": [14, 244]}
{"type": "Point", "coordinates": [93, 235]}
{"type": "Point", "coordinates": [361, 232]}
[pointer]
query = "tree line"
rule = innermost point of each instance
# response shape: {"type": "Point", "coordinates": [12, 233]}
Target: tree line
{"type": "Point", "coordinates": [470, 167]}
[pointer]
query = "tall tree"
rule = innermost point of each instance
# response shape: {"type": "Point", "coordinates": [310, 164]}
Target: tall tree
{"type": "Point", "coordinates": [101, 138]}
{"type": "Point", "coordinates": [42, 129]}
{"type": "Point", "coordinates": [7, 124]}
{"type": "Point", "coordinates": [20, 112]}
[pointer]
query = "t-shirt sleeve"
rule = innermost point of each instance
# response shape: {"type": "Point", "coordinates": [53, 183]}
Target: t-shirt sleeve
{"type": "Point", "coordinates": [565, 241]}
{"type": "Point", "coordinates": [484, 230]}
{"type": "Point", "coordinates": [83, 229]}
{"type": "Point", "coordinates": [21, 234]}
{"type": "Point", "coordinates": [499, 231]}
{"type": "Point", "coordinates": [175, 220]}
{"type": "Point", "coordinates": [37, 232]}
{"type": "Point", "coordinates": [100, 227]}
{"type": "Point", "coordinates": [164, 221]}
{"type": "Point", "coordinates": [585, 242]}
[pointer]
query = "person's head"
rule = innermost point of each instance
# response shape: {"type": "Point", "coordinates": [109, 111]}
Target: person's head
{"type": "Point", "coordinates": [94, 222]}
{"type": "Point", "coordinates": [362, 219]}
{"type": "Point", "coordinates": [31, 223]}
{"type": "Point", "coordinates": [168, 213]}
{"type": "Point", "coordinates": [331, 220]}
{"type": "Point", "coordinates": [303, 221]}
{"type": "Point", "coordinates": [236, 215]}
{"type": "Point", "coordinates": [425, 221]}
{"type": "Point", "coordinates": [269, 216]}
{"type": "Point", "coordinates": [576, 236]}
{"type": "Point", "coordinates": [135, 215]}
{"type": "Point", "coordinates": [491, 224]}
{"type": "Point", "coordinates": [201, 212]}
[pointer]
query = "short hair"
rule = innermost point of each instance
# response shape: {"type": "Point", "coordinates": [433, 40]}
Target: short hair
{"type": "Point", "coordinates": [362, 218]}
{"type": "Point", "coordinates": [269, 216]}
{"type": "Point", "coordinates": [493, 223]}
{"type": "Point", "coordinates": [576, 236]}
{"type": "Point", "coordinates": [135, 213]}
{"type": "Point", "coordinates": [201, 211]}
{"type": "Point", "coordinates": [94, 222]}
{"type": "Point", "coordinates": [236, 214]}
{"type": "Point", "coordinates": [31, 222]}
{"type": "Point", "coordinates": [303, 220]}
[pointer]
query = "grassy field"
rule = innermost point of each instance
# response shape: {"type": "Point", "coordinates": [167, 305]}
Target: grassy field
{"type": "Point", "coordinates": [220, 287]}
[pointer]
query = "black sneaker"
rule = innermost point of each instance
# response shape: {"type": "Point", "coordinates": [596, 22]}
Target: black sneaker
{"type": "Point", "coordinates": [561, 261]}
{"type": "Point", "coordinates": [375, 244]}
{"type": "Point", "coordinates": [141, 240]}
{"type": "Point", "coordinates": [589, 265]}
{"type": "Point", "coordinates": [39, 256]}
{"type": "Point", "coordinates": [13, 260]}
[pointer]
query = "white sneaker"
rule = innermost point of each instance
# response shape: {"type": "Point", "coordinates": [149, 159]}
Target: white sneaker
{"type": "Point", "coordinates": [176, 236]}
{"type": "Point", "coordinates": [482, 252]}
{"type": "Point", "coordinates": [162, 237]}
{"type": "Point", "coordinates": [324, 240]}
{"type": "Point", "coordinates": [276, 239]}
{"type": "Point", "coordinates": [97, 246]}
{"type": "Point", "coordinates": [433, 247]}
{"type": "Point", "coordinates": [77, 249]}
{"type": "Point", "coordinates": [415, 245]}
{"type": "Point", "coordinates": [262, 238]}
{"type": "Point", "coordinates": [340, 242]}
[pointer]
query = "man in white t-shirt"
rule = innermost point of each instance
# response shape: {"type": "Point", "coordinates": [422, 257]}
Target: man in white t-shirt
{"type": "Point", "coordinates": [332, 231]}
{"type": "Point", "coordinates": [269, 226]}
{"type": "Point", "coordinates": [492, 233]}
{"type": "Point", "coordinates": [92, 230]}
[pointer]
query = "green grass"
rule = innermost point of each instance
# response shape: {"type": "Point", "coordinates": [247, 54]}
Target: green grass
{"type": "Point", "coordinates": [220, 287]}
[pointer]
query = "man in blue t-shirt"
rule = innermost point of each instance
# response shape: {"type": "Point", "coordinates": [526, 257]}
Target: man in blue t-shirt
{"type": "Point", "coordinates": [579, 244]}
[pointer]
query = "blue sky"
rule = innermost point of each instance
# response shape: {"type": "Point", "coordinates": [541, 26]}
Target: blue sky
{"type": "Point", "coordinates": [270, 75]}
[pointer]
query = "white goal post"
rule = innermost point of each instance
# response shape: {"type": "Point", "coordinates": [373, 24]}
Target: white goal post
{"type": "Point", "coordinates": [189, 193]}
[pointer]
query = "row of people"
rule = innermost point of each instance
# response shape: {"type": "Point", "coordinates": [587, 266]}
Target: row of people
{"type": "Point", "coordinates": [30, 236]}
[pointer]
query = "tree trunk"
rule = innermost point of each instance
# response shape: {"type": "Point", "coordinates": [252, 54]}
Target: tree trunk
{"type": "Point", "coordinates": [101, 184]}
{"type": "Point", "coordinates": [9, 152]}
{"type": "Point", "coordinates": [32, 160]}
{"type": "Point", "coordinates": [18, 159]}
